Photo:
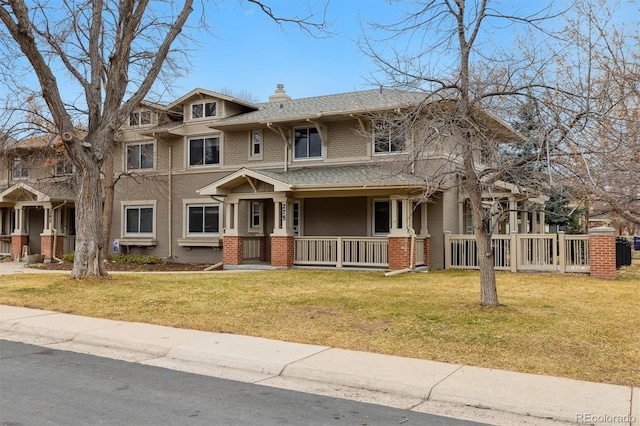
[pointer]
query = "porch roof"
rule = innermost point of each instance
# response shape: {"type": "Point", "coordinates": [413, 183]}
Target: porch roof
{"type": "Point", "coordinates": [329, 178]}
{"type": "Point", "coordinates": [59, 191]}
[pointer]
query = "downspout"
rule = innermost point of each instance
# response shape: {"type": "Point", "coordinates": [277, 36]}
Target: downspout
{"type": "Point", "coordinates": [55, 231]}
{"type": "Point", "coordinates": [170, 207]}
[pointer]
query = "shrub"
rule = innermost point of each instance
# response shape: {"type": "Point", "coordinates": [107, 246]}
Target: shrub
{"type": "Point", "coordinates": [68, 258]}
{"type": "Point", "coordinates": [137, 260]}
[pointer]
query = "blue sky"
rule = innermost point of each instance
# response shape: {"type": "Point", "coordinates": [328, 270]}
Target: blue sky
{"type": "Point", "coordinates": [251, 54]}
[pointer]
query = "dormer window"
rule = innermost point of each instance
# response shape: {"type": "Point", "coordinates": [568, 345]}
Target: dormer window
{"type": "Point", "coordinates": [203, 109]}
{"type": "Point", "coordinates": [140, 118]}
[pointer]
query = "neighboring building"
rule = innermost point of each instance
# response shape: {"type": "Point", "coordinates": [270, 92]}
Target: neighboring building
{"type": "Point", "coordinates": [314, 181]}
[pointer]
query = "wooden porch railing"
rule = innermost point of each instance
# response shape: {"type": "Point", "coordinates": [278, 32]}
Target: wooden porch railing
{"type": "Point", "coordinates": [341, 251]}
{"type": "Point", "coordinates": [251, 247]}
{"type": "Point", "coordinates": [522, 252]}
{"type": "Point", "coordinates": [5, 245]}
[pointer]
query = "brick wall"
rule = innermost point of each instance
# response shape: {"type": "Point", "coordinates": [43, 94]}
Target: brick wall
{"type": "Point", "coordinates": [427, 244]}
{"type": "Point", "coordinates": [602, 253]}
{"type": "Point", "coordinates": [17, 241]}
{"type": "Point", "coordinates": [46, 247]}
{"type": "Point", "coordinates": [232, 250]}
{"type": "Point", "coordinates": [282, 251]}
{"type": "Point", "coordinates": [399, 252]}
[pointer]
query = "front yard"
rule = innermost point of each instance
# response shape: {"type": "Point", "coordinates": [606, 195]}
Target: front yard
{"type": "Point", "coordinates": [564, 325]}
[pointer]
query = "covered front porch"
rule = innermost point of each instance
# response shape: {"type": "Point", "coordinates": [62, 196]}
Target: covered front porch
{"type": "Point", "coordinates": [324, 216]}
{"type": "Point", "coordinates": [37, 223]}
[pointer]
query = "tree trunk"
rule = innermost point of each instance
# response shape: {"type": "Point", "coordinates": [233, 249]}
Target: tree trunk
{"type": "Point", "coordinates": [89, 253]}
{"type": "Point", "coordinates": [107, 213]}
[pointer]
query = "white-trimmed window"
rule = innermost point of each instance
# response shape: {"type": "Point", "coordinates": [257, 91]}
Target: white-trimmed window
{"type": "Point", "coordinates": [381, 217]}
{"type": "Point", "coordinates": [204, 109]}
{"type": "Point", "coordinates": [140, 156]}
{"type": "Point", "coordinates": [389, 137]}
{"type": "Point", "coordinates": [20, 168]}
{"type": "Point", "coordinates": [140, 118]}
{"type": "Point", "coordinates": [307, 143]}
{"type": "Point", "coordinates": [63, 167]}
{"type": "Point", "coordinates": [203, 219]}
{"type": "Point", "coordinates": [297, 214]}
{"type": "Point", "coordinates": [204, 151]}
{"type": "Point", "coordinates": [255, 215]}
{"type": "Point", "coordinates": [139, 220]}
{"type": "Point", "coordinates": [255, 149]}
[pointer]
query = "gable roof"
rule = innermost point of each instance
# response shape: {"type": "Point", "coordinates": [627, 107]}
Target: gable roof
{"type": "Point", "coordinates": [60, 191]}
{"type": "Point", "coordinates": [199, 93]}
{"type": "Point", "coordinates": [319, 179]}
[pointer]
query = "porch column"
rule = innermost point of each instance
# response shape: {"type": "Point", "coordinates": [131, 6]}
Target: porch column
{"type": "Point", "coordinates": [232, 242]}
{"type": "Point", "coordinates": [534, 221]}
{"type": "Point", "coordinates": [400, 247]}
{"type": "Point", "coordinates": [543, 219]}
{"type": "Point", "coordinates": [282, 244]}
{"type": "Point", "coordinates": [525, 218]}
{"type": "Point", "coordinates": [424, 232]}
{"type": "Point", "coordinates": [513, 215]}
{"type": "Point", "coordinates": [19, 237]}
{"type": "Point", "coordinates": [48, 237]}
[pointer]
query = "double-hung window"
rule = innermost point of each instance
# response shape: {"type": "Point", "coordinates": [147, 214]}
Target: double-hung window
{"type": "Point", "coordinates": [20, 168]}
{"type": "Point", "coordinates": [389, 136]}
{"type": "Point", "coordinates": [203, 219]}
{"type": "Point", "coordinates": [255, 219]}
{"type": "Point", "coordinates": [140, 156]}
{"type": "Point", "coordinates": [203, 109]}
{"type": "Point", "coordinates": [255, 151]}
{"type": "Point", "coordinates": [63, 167]}
{"type": "Point", "coordinates": [204, 151]}
{"type": "Point", "coordinates": [140, 118]}
{"type": "Point", "coordinates": [138, 220]}
{"type": "Point", "coordinates": [307, 143]}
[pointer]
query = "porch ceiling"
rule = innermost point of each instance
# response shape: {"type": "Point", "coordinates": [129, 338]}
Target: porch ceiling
{"type": "Point", "coordinates": [37, 192]}
{"type": "Point", "coordinates": [337, 178]}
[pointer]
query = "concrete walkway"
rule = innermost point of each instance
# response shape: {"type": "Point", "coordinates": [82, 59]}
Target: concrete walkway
{"type": "Point", "coordinates": [480, 394]}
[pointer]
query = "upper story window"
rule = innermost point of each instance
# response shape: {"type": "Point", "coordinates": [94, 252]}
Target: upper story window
{"type": "Point", "coordinates": [20, 168]}
{"type": "Point", "coordinates": [255, 151]}
{"type": "Point", "coordinates": [63, 167]}
{"type": "Point", "coordinates": [140, 118]}
{"type": "Point", "coordinates": [204, 109]}
{"type": "Point", "coordinates": [389, 136]}
{"type": "Point", "coordinates": [204, 151]}
{"type": "Point", "coordinates": [307, 143]}
{"type": "Point", "coordinates": [140, 156]}
{"type": "Point", "coordinates": [203, 219]}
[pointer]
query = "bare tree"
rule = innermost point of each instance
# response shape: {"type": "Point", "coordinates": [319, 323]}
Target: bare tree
{"type": "Point", "coordinates": [115, 53]}
{"type": "Point", "coordinates": [450, 56]}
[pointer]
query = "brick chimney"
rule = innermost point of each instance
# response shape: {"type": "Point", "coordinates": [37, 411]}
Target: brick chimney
{"type": "Point", "coordinates": [279, 95]}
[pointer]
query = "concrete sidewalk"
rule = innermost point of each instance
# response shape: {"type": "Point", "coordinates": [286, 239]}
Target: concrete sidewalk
{"type": "Point", "coordinates": [492, 396]}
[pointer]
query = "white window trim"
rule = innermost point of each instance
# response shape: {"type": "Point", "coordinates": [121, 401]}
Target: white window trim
{"type": "Point", "coordinates": [298, 232]}
{"type": "Point", "coordinates": [199, 202]}
{"type": "Point", "coordinates": [252, 155]}
{"type": "Point", "coordinates": [138, 203]}
{"type": "Point", "coordinates": [187, 150]}
{"type": "Point", "coordinates": [293, 147]}
{"type": "Point", "coordinates": [63, 160]}
{"type": "Point", "coordinates": [140, 111]}
{"type": "Point", "coordinates": [203, 102]}
{"type": "Point", "coordinates": [23, 166]}
{"type": "Point", "coordinates": [389, 152]}
{"type": "Point", "coordinates": [258, 227]}
{"type": "Point", "coordinates": [373, 217]}
{"type": "Point", "coordinates": [155, 156]}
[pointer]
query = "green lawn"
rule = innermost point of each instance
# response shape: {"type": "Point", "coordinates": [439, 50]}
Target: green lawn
{"type": "Point", "coordinates": [565, 325]}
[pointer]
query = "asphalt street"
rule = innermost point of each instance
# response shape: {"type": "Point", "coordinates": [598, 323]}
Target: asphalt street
{"type": "Point", "coordinates": [41, 386]}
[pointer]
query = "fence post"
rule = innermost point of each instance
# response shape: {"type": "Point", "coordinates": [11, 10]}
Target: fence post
{"type": "Point", "coordinates": [562, 252]}
{"type": "Point", "coordinates": [447, 250]}
{"type": "Point", "coordinates": [513, 252]}
{"type": "Point", "coordinates": [339, 253]}
{"type": "Point", "coordinates": [602, 252]}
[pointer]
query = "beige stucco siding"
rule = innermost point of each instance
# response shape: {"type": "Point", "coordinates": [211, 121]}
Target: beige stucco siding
{"type": "Point", "coordinates": [335, 216]}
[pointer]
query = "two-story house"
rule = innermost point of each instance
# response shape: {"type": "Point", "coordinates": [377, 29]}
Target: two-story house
{"type": "Point", "coordinates": [209, 178]}
{"type": "Point", "coordinates": [313, 181]}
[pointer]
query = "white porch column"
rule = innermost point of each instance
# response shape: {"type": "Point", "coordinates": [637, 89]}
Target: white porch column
{"type": "Point", "coordinates": [525, 218]}
{"type": "Point", "coordinates": [283, 217]}
{"type": "Point", "coordinates": [543, 219]}
{"type": "Point", "coordinates": [231, 209]}
{"type": "Point", "coordinates": [424, 225]}
{"type": "Point", "coordinates": [18, 212]}
{"type": "Point", "coordinates": [534, 222]}
{"type": "Point", "coordinates": [401, 217]}
{"type": "Point", "coordinates": [513, 215]}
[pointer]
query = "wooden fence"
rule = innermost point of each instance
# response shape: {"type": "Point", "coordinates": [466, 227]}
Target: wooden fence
{"type": "Point", "coordinates": [522, 252]}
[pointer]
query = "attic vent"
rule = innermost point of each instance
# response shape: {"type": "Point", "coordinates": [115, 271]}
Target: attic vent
{"type": "Point", "coordinates": [279, 95]}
